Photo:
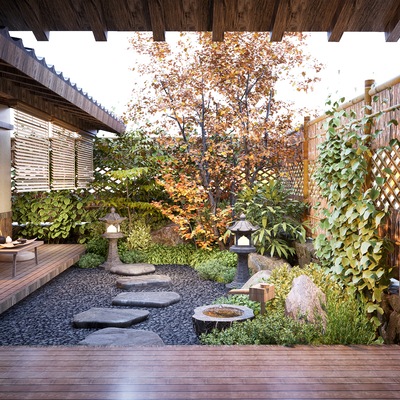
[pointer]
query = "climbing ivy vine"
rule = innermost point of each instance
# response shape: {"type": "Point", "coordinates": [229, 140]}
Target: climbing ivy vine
{"type": "Point", "coordinates": [352, 248]}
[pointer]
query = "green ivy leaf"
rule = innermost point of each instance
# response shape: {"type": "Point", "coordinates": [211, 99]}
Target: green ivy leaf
{"type": "Point", "coordinates": [374, 194]}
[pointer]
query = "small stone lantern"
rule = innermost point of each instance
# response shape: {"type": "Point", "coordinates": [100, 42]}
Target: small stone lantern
{"type": "Point", "coordinates": [243, 246]}
{"type": "Point", "coordinates": [113, 233]}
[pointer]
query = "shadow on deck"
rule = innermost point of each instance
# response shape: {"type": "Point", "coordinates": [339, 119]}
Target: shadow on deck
{"type": "Point", "coordinates": [52, 260]}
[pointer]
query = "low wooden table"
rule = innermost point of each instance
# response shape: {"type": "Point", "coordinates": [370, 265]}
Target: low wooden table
{"type": "Point", "coordinates": [16, 250]}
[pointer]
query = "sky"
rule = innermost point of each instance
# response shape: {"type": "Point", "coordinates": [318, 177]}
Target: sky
{"type": "Point", "coordinates": [102, 69]}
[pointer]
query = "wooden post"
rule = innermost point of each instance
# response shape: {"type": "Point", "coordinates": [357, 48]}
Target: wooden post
{"type": "Point", "coordinates": [367, 131]}
{"type": "Point", "coordinates": [305, 165]}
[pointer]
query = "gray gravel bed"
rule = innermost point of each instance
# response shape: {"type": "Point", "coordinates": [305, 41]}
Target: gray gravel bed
{"type": "Point", "coordinates": [45, 317]}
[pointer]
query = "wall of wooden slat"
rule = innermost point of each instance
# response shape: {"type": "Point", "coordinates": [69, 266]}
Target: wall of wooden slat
{"type": "Point", "coordinates": [31, 156]}
{"type": "Point", "coordinates": [71, 157]}
{"type": "Point", "coordinates": [84, 162]}
{"type": "Point", "coordinates": [62, 158]}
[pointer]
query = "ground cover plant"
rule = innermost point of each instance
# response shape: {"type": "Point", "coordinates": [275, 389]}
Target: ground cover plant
{"type": "Point", "coordinates": [347, 321]}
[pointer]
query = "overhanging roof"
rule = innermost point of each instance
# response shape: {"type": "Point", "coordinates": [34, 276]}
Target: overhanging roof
{"type": "Point", "coordinates": [218, 16]}
{"type": "Point", "coordinates": [27, 80]}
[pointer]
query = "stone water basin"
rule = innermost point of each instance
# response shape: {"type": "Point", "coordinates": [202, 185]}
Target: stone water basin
{"type": "Point", "coordinates": [219, 316]}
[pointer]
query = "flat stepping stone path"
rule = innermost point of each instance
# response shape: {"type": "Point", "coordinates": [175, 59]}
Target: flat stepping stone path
{"type": "Point", "coordinates": [143, 282]}
{"type": "Point", "coordinates": [133, 269]}
{"type": "Point", "coordinates": [122, 337]}
{"type": "Point", "coordinates": [107, 317]}
{"type": "Point", "coordinates": [146, 299]}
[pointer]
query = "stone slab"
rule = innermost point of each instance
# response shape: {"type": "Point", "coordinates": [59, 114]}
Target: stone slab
{"type": "Point", "coordinates": [109, 317]}
{"type": "Point", "coordinates": [143, 282]}
{"type": "Point", "coordinates": [146, 299]}
{"type": "Point", "coordinates": [133, 269]}
{"type": "Point", "coordinates": [122, 337]}
{"type": "Point", "coordinates": [22, 256]}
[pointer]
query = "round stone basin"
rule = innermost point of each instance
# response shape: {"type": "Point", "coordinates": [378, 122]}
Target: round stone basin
{"type": "Point", "coordinates": [220, 317]}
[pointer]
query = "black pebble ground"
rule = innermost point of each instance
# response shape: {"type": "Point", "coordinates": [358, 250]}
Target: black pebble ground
{"type": "Point", "coordinates": [45, 317]}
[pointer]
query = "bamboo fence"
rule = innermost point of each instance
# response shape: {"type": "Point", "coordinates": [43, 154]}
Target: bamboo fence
{"type": "Point", "coordinates": [298, 175]}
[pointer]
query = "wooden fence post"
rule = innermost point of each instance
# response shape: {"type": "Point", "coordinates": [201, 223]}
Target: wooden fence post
{"type": "Point", "coordinates": [367, 131]}
{"type": "Point", "coordinates": [305, 164]}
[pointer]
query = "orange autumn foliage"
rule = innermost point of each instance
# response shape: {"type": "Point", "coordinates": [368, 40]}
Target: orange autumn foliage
{"type": "Point", "coordinates": [223, 125]}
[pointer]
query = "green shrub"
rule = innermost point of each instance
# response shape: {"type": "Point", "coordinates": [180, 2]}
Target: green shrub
{"type": "Point", "coordinates": [282, 279]}
{"type": "Point", "coordinates": [132, 257]}
{"type": "Point", "coordinates": [162, 254]}
{"type": "Point", "coordinates": [90, 260]}
{"type": "Point", "coordinates": [273, 328]}
{"type": "Point", "coordinates": [347, 322]}
{"type": "Point", "coordinates": [139, 238]}
{"type": "Point", "coordinates": [98, 245]}
{"type": "Point", "coordinates": [215, 270]}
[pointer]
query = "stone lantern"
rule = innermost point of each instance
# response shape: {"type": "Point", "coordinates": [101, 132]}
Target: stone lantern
{"type": "Point", "coordinates": [243, 247]}
{"type": "Point", "coordinates": [113, 233]}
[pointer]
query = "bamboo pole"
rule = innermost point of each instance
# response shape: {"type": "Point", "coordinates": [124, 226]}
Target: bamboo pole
{"type": "Point", "coordinates": [305, 164]}
{"type": "Point", "coordinates": [367, 131]}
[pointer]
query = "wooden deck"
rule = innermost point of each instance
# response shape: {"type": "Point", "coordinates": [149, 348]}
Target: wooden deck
{"type": "Point", "coordinates": [53, 259]}
{"type": "Point", "coordinates": [200, 372]}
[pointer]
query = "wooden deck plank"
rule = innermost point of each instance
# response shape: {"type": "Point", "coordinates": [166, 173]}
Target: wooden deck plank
{"type": "Point", "coordinates": [191, 372]}
{"type": "Point", "coordinates": [53, 259]}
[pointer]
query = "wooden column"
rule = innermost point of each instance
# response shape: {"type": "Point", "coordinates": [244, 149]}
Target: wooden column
{"type": "Point", "coordinates": [367, 131]}
{"type": "Point", "coordinates": [305, 164]}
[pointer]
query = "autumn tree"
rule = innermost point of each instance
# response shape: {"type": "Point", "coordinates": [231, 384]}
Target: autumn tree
{"type": "Point", "coordinates": [217, 102]}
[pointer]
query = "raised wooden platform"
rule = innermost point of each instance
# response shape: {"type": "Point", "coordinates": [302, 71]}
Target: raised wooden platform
{"type": "Point", "coordinates": [53, 259]}
{"type": "Point", "coordinates": [197, 372]}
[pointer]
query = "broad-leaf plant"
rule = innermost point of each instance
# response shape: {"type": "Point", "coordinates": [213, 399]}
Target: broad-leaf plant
{"type": "Point", "coordinates": [351, 247]}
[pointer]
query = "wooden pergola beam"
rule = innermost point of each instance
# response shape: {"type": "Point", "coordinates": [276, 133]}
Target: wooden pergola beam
{"type": "Point", "coordinates": [156, 10]}
{"type": "Point", "coordinates": [392, 31]}
{"type": "Point", "coordinates": [279, 20]}
{"type": "Point", "coordinates": [340, 20]}
{"type": "Point", "coordinates": [95, 16]}
{"type": "Point", "coordinates": [218, 21]}
{"type": "Point", "coordinates": [33, 18]}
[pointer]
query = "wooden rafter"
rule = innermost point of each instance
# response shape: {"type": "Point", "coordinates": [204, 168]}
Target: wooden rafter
{"type": "Point", "coordinates": [340, 20]}
{"type": "Point", "coordinates": [94, 14]}
{"type": "Point", "coordinates": [33, 16]}
{"type": "Point", "coordinates": [392, 31]}
{"type": "Point", "coordinates": [156, 10]}
{"type": "Point", "coordinates": [279, 20]}
{"type": "Point", "coordinates": [218, 28]}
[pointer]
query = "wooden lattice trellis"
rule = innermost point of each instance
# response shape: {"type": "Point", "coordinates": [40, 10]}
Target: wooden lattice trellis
{"type": "Point", "coordinates": [390, 193]}
{"type": "Point", "coordinates": [292, 176]}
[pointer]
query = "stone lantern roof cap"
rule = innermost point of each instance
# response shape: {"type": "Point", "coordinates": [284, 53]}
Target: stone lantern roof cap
{"type": "Point", "coordinates": [243, 226]}
{"type": "Point", "coordinates": [112, 217]}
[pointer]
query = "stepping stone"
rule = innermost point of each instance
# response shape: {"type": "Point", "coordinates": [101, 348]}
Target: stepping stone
{"type": "Point", "coordinates": [133, 269]}
{"type": "Point", "coordinates": [106, 317]}
{"type": "Point", "coordinates": [122, 337]}
{"type": "Point", "coordinates": [146, 299]}
{"type": "Point", "coordinates": [141, 282]}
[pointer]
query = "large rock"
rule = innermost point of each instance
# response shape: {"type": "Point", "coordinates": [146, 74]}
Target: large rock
{"type": "Point", "coordinates": [304, 299]}
{"type": "Point", "coordinates": [259, 277]}
{"type": "Point", "coordinates": [257, 262]}
{"type": "Point", "coordinates": [168, 235]}
{"type": "Point", "coordinates": [122, 337]}
{"type": "Point", "coordinates": [393, 328]}
{"type": "Point", "coordinates": [306, 253]}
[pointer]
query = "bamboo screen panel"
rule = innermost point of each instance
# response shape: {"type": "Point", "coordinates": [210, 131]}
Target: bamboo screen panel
{"type": "Point", "coordinates": [84, 161]}
{"type": "Point", "coordinates": [62, 158]}
{"type": "Point", "coordinates": [31, 160]}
